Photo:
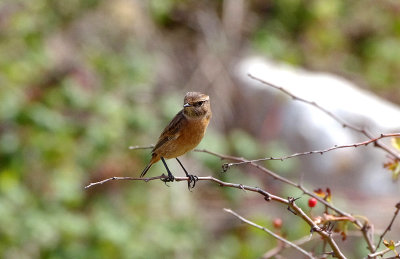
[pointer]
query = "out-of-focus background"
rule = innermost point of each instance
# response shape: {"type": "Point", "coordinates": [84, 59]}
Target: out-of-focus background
{"type": "Point", "coordinates": [81, 81]}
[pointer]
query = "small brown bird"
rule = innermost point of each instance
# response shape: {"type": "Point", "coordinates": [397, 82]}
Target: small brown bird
{"type": "Point", "coordinates": [183, 133]}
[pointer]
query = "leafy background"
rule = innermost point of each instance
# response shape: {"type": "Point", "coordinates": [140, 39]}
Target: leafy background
{"type": "Point", "coordinates": [80, 81]}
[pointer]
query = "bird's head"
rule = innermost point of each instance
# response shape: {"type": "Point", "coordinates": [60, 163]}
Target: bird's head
{"type": "Point", "coordinates": [196, 105]}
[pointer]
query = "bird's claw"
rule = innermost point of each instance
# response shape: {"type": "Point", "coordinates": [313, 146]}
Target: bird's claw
{"type": "Point", "coordinates": [192, 179]}
{"type": "Point", "coordinates": [168, 179]}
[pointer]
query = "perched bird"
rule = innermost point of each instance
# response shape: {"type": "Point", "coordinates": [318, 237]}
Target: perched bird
{"type": "Point", "coordinates": [183, 133]}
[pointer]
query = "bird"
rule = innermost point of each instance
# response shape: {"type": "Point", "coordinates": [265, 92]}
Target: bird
{"type": "Point", "coordinates": [182, 134]}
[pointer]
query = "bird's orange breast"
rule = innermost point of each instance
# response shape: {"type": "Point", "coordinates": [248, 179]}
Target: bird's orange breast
{"type": "Point", "coordinates": [190, 135]}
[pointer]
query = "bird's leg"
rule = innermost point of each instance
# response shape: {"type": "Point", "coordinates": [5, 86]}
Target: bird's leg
{"type": "Point", "coordinates": [170, 177]}
{"type": "Point", "coordinates": [192, 178]}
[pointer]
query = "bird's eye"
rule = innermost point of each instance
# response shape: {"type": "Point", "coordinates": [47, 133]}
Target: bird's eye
{"type": "Point", "coordinates": [199, 103]}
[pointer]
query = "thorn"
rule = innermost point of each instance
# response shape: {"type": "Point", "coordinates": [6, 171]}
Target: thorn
{"type": "Point", "coordinates": [313, 229]}
{"type": "Point", "coordinates": [291, 210]}
{"type": "Point", "coordinates": [331, 253]}
{"type": "Point", "coordinates": [291, 200]}
{"type": "Point", "coordinates": [225, 167]}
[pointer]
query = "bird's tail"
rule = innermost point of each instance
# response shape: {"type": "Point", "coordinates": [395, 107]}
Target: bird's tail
{"type": "Point", "coordinates": [146, 169]}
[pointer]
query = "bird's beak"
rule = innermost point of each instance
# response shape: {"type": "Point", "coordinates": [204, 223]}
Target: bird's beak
{"type": "Point", "coordinates": [186, 105]}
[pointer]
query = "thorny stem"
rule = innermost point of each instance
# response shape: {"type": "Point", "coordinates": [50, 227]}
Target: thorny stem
{"type": "Point", "coordinates": [363, 227]}
{"type": "Point", "coordinates": [267, 196]}
{"type": "Point", "coordinates": [364, 143]}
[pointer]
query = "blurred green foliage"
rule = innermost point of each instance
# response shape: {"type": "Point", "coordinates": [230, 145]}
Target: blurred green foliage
{"type": "Point", "coordinates": [360, 39]}
{"type": "Point", "coordinates": [78, 85]}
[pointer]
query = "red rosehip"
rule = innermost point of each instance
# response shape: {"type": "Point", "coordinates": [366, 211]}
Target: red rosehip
{"type": "Point", "coordinates": [277, 223]}
{"type": "Point", "coordinates": [312, 202]}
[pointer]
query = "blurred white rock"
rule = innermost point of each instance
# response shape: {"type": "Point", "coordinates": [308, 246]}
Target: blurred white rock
{"type": "Point", "coordinates": [302, 127]}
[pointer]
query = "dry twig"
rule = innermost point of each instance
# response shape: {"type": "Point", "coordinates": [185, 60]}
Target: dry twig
{"type": "Point", "coordinates": [287, 242]}
{"type": "Point", "coordinates": [388, 228]}
{"type": "Point", "coordinates": [363, 143]}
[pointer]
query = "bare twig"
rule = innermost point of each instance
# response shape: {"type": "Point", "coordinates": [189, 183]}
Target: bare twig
{"type": "Point", "coordinates": [384, 251]}
{"type": "Point", "coordinates": [363, 143]}
{"type": "Point", "coordinates": [267, 196]}
{"type": "Point", "coordinates": [332, 115]}
{"type": "Point", "coordinates": [276, 250]}
{"type": "Point", "coordinates": [124, 178]}
{"type": "Point", "coordinates": [388, 228]}
{"type": "Point", "coordinates": [241, 159]}
{"type": "Point", "coordinates": [287, 242]}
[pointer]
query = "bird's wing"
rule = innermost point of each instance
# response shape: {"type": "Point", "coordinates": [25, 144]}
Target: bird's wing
{"type": "Point", "coordinates": [171, 131]}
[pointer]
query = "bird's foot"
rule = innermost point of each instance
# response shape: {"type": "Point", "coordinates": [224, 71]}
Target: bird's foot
{"type": "Point", "coordinates": [168, 179]}
{"type": "Point", "coordinates": [192, 181]}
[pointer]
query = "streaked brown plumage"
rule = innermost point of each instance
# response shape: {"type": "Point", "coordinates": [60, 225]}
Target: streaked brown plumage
{"type": "Point", "coordinates": [184, 132]}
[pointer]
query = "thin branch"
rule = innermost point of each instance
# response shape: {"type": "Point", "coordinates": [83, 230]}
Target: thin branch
{"type": "Point", "coordinates": [241, 159]}
{"type": "Point", "coordinates": [332, 115]}
{"type": "Point", "coordinates": [124, 178]}
{"type": "Point", "coordinates": [384, 251]}
{"type": "Point", "coordinates": [294, 97]}
{"type": "Point", "coordinates": [287, 242]}
{"type": "Point", "coordinates": [267, 196]}
{"type": "Point", "coordinates": [388, 228]}
{"type": "Point", "coordinates": [354, 145]}
{"type": "Point", "coordinates": [278, 249]}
